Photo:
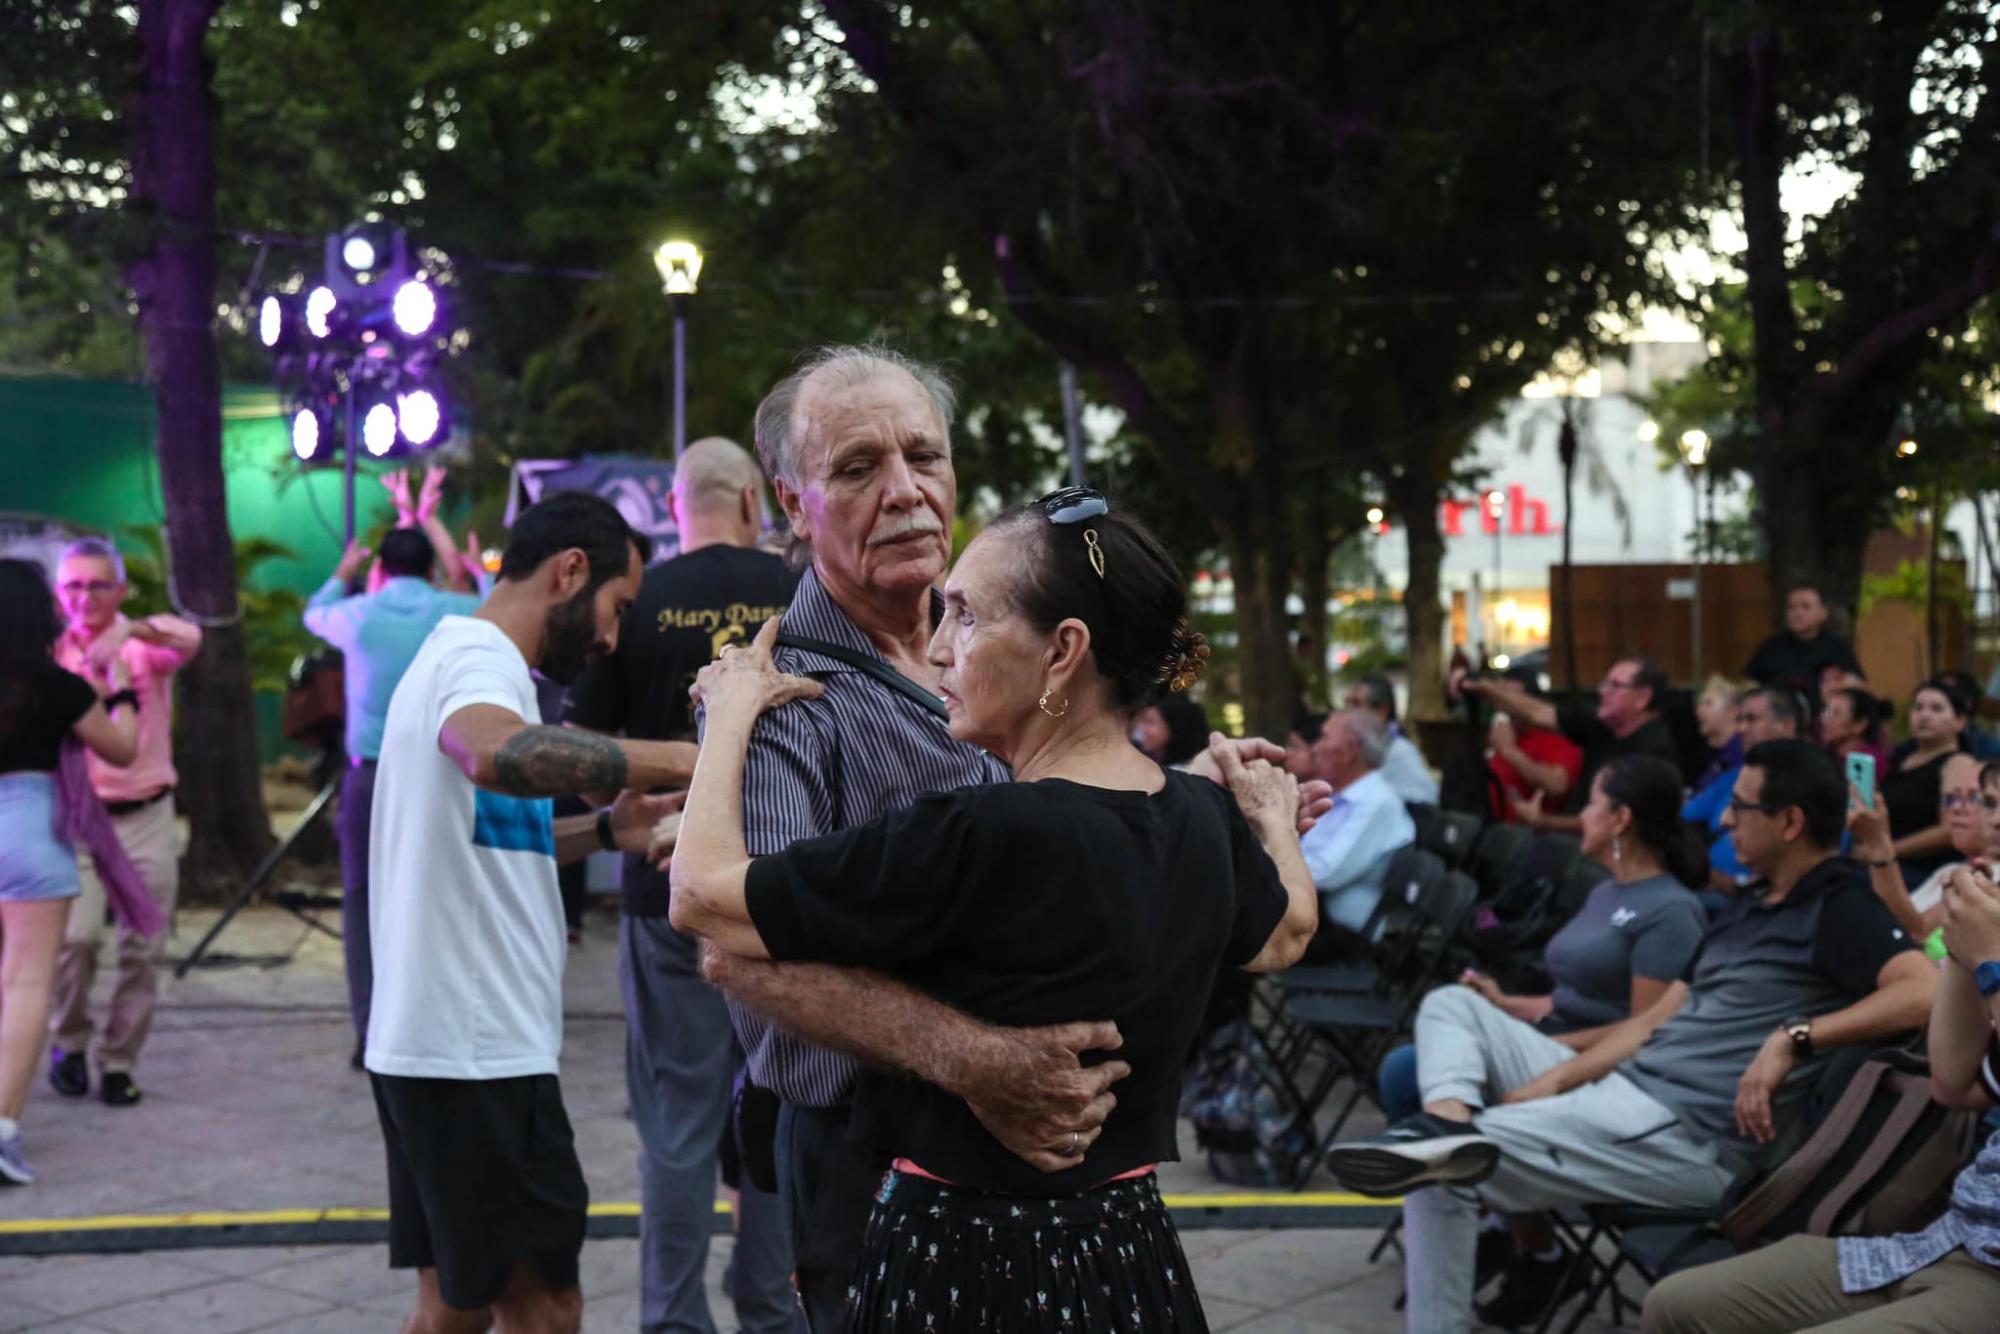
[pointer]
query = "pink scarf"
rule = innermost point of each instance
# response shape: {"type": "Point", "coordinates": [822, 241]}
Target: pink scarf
{"type": "Point", "coordinates": [83, 823]}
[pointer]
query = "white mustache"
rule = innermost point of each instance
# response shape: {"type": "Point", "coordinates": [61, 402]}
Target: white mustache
{"type": "Point", "coordinates": [920, 523]}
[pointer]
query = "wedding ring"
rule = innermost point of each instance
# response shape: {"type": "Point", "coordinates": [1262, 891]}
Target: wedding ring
{"type": "Point", "coordinates": [1076, 1143]}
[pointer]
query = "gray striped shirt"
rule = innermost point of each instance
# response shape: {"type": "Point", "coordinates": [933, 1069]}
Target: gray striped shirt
{"type": "Point", "coordinates": [816, 766]}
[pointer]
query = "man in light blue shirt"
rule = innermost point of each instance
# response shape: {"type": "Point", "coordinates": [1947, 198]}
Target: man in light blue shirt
{"type": "Point", "coordinates": [378, 634]}
{"type": "Point", "coordinates": [1403, 766]}
{"type": "Point", "coordinates": [1349, 849]}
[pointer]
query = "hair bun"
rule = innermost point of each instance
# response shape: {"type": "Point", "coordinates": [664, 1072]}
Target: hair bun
{"type": "Point", "coordinates": [1186, 659]}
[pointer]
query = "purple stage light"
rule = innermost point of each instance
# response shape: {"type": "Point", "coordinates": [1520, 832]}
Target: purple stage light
{"type": "Point", "coordinates": [418, 416]}
{"type": "Point", "coordinates": [319, 310]}
{"type": "Point", "coordinates": [305, 434]}
{"type": "Point", "coordinates": [415, 308]}
{"type": "Point", "coordinates": [378, 429]}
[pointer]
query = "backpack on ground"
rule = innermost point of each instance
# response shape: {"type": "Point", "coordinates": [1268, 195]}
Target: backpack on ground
{"type": "Point", "coordinates": [1882, 1160]}
{"type": "Point", "coordinates": [1244, 1112]}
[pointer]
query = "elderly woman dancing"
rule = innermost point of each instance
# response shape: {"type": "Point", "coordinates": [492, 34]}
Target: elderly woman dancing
{"type": "Point", "coordinates": [1095, 883]}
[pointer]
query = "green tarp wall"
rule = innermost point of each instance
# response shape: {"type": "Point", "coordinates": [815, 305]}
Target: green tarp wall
{"type": "Point", "coordinates": [82, 451]}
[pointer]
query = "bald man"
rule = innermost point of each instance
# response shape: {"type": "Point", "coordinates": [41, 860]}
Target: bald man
{"type": "Point", "coordinates": [681, 1058]}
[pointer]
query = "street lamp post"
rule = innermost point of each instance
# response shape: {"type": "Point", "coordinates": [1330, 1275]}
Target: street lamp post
{"type": "Point", "coordinates": [1496, 505]}
{"type": "Point", "coordinates": [1694, 453]}
{"type": "Point", "coordinates": [679, 263]}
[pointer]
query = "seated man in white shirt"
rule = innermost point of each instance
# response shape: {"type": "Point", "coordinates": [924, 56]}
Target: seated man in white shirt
{"type": "Point", "coordinates": [1349, 849]}
{"type": "Point", "coordinates": [1403, 766]}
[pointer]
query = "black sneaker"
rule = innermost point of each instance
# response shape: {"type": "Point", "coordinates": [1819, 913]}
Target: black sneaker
{"type": "Point", "coordinates": [1416, 1151]}
{"type": "Point", "coordinates": [118, 1089]}
{"type": "Point", "coordinates": [69, 1073]}
{"type": "Point", "coordinates": [1533, 1287]}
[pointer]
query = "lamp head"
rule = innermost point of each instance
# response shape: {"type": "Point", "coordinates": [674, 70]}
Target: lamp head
{"type": "Point", "coordinates": [679, 263]}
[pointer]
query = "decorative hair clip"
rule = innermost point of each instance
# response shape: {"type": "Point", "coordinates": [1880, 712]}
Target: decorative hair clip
{"type": "Point", "coordinates": [1186, 660]}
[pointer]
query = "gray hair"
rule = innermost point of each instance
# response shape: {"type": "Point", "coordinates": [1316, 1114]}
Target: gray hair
{"type": "Point", "coordinates": [853, 364]}
{"type": "Point", "coordinates": [1369, 734]}
{"type": "Point", "coordinates": [100, 548]}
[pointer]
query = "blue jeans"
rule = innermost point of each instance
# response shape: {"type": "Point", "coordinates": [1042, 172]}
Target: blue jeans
{"type": "Point", "coordinates": [680, 1064]}
{"type": "Point", "coordinates": [1396, 1084]}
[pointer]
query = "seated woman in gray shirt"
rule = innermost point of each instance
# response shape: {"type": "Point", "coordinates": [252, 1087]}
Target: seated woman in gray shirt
{"type": "Point", "coordinates": [1637, 930]}
{"type": "Point", "coordinates": [1633, 936]}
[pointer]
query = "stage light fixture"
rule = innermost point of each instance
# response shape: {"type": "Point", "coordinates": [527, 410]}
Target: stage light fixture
{"type": "Point", "coordinates": [305, 434]}
{"type": "Point", "coordinates": [358, 253]}
{"type": "Point", "coordinates": [270, 321]}
{"type": "Point", "coordinates": [320, 304]}
{"type": "Point", "coordinates": [378, 429]}
{"type": "Point", "coordinates": [418, 416]}
{"type": "Point", "coordinates": [415, 308]}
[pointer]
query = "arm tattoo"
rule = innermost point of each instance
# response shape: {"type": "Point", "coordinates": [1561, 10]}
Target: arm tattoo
{"type": "Point", "coordinates": [557, 762]}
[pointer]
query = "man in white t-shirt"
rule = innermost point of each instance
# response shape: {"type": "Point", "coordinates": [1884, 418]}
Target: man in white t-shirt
{"type": "Point", "coordinates": [486, 1196]}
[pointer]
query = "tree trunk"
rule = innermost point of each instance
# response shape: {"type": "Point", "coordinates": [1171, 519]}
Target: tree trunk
{"type": "Point", "coordinates": [1415, 496]}
{"type": "Point", "coordinates": [1263, 577]}
{"type": "Point", "coordinates": [1315, 587]}
{"type": "Point", "coordinates": [173, 175]}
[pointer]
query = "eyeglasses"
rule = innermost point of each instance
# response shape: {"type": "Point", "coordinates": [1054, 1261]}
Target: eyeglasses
{"type": "Point", "coordinates": [1969, 800]}
{"type": "Point", "coordinates": [1074, 504]}
{"type": "Point", "coordinates": [1609, 684]}
{"type": "Point", "coordinates": [95, 587]}
{"type": "Point", "coordinates": [1738, 806]}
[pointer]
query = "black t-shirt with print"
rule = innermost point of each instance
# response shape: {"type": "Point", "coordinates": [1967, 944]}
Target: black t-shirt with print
{"type": "Point", "coordinates": [1034, 903]}
{"type": "Point", "coordinates": [688, 610]}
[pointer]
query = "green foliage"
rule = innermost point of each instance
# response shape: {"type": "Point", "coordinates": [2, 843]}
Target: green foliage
{"type": "Point", "coordinates": [1910, 583]}
{"type": "Point", "coordinates": [274, 633]}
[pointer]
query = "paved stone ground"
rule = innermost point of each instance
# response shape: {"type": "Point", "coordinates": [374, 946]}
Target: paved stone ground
{"type": "Point", "coordinates": [250, 1104]}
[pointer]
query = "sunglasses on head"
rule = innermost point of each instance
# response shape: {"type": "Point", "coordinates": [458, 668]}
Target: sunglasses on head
{"type": "Point", "coordinates": [1075, 504]}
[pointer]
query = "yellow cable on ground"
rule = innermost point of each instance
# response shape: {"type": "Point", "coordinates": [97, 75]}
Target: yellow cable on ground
{"type": "Point", "coordinates": [1330, 1200]}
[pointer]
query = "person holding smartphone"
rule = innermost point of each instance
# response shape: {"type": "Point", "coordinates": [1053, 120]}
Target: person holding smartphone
{"type": "Point", "coordinates": [1913, 789]}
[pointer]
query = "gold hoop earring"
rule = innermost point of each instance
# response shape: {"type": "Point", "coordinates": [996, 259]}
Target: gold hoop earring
{"type": "Point", "coordinates": [1043, 704]}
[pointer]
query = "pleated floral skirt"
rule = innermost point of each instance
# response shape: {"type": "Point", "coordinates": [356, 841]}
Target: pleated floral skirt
{"type": "Point", "coordinates": [942, 1259]}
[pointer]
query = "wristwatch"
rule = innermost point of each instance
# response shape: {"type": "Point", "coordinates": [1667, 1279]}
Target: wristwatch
{"type": "Point", "coordinates": [1799, 1030]}
{"type": "Point", "coordinates": [1987, 978]}
{"type": "Point", "coordinates": [605, 838]}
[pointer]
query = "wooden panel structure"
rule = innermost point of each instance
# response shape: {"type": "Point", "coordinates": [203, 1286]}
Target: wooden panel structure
{"type": "Point", "coordinates": [1630, 609]}
{"type": "Point", "coordinates": [1619, 609]}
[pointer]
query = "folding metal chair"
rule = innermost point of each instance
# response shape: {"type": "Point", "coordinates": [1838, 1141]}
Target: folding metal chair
{"type": "Point", "coordinates": [1497, 857]}
{"type": "Point", "coordinates": [1450, 834]}
{"type": "Point", "coordinates": [1355, 1030]}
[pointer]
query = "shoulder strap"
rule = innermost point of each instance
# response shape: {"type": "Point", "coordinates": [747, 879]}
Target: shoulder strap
{"type": "Point", "coordinates": [875, 667]}
{"type": "Point", "coordinates": [1913, 1101]}
{"type": "Point", "coordinates": [1745, 1224]}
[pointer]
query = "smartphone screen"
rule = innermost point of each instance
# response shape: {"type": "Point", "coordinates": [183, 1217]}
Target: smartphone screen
{"type": "Point", "coordinates": [1861, 773]}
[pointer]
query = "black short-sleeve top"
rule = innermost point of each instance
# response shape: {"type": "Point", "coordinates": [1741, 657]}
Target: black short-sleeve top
{"type": "Point", "coordinates": [39, 704]}
{"type": "Point", "coordinates": [1034, 903]}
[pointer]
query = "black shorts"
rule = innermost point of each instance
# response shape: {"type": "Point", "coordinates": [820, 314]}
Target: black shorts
{"type": "Point", "coordinates": [483, 1175]}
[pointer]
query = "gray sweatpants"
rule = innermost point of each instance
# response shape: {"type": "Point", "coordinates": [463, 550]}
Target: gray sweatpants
{"type": "Point", "coordinates": [1604, 1142]}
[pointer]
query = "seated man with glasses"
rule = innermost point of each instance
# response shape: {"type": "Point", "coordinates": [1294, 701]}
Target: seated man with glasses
{"type": "Point", "coordinates": [1626, 721]}
{"type": "Point", "coordinates": [1667, 1108]}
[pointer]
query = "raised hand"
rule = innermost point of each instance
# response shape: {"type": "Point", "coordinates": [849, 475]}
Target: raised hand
{"type": "Point", "coordinates": [432, 494]}
{"type": "Point", "coordinates": [397, 484]}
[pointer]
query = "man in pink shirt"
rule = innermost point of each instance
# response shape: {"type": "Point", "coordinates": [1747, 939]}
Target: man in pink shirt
{"type": "Point", "coordinates": [90, 584]}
